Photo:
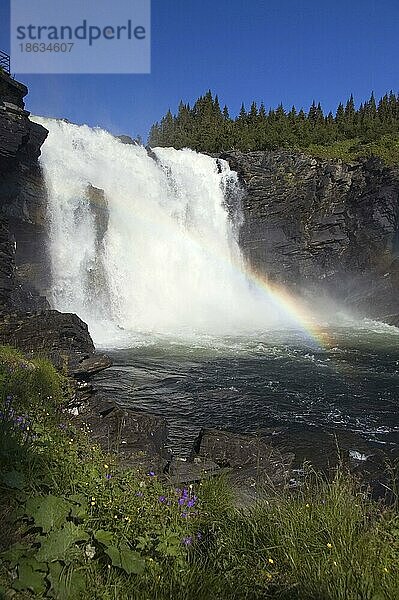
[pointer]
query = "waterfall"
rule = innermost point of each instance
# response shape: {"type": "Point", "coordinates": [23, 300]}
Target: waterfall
{"type": "Point", "coordinates": [144, 244]}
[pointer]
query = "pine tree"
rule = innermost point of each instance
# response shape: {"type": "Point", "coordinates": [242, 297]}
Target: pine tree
{"type": "Point", "coordinates": [205, 127]}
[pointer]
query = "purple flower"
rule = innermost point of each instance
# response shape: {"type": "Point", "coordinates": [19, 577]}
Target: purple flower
{"type": "Point", "coordinates": [139, 494]}
{"type": "Point", "coordinates": [108, 476]}
{"type": "Point", "coordinates": [151, 474]}
{"type": "Point", "coordinates": [162, 499]}
{"type": "Point", "coordinates": [192, 501]}
{"type": "Point", "coordinates": [181, 501]}
{"type": "Point", "coordinates": [187, 541]}
{"type": "Point", "coordinates": [199, 536]}
{"type": "Point", "coordinates": [184, 515]}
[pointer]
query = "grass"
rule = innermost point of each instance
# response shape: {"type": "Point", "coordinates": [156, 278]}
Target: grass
{"type": "Point", "coordinates": [386, 147]}
{"type": "Point", "coordinates": [74, 525]}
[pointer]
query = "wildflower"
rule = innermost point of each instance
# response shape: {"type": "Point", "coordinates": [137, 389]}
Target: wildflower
{"type": "Point", "coordinates": [271, 561]}
{"type": "Point", "coordinates": [181, 501]}
{"type": "Point", "coordinates": [329, 545]}
{"type": "Point", "coordinates": [93, 503]}
{"type": "Point", "coordinates": [151, 474]}
{"type": "Point", "coordinates": [162, 499]}
{"type": "Point", "coordinates": [108, 476]}
{"type": "Point", "coordinates": [307, 505]}
{"type": "Point", "coordinates": [199, 536]}
{"type": "Point", "coordinates": [386, 570]}
{"type": "Point", "coordinates": [187, 541]}
{"type": "Point", "coordinates": [184, 515]}
{"type": "Point", "coordinates": [140, 494]}
{"type": "Point", "coordinates": [106, 467]}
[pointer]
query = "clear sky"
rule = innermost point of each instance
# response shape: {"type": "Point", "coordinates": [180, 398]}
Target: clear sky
{"type": "Point", "coordinates": [290, 51]}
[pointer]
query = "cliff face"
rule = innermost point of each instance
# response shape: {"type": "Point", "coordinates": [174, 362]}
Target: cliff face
{"type": "Point", "coordinates": [23, 261]}
{"type": "Point", "coordinates": [323, 226]}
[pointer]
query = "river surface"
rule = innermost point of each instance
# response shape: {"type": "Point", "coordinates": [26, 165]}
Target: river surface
{"type": "Point", "coordinates": [314, 397]}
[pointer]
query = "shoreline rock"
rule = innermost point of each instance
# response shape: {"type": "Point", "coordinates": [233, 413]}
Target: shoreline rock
{"type": "Point", "coordinates": [137, 439]}
{"type": "Point", "coordinates": [63, 338]}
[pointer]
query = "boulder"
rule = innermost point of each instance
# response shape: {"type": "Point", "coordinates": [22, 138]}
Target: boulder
{"type": "Point", "coordinates": [253, 463]}
{"type": "Point", "coordinates": [182, 471]}
{"type": "Point", "coordinates": [63, 338]}
{"type": "Point", "coordinates": [137, 438]}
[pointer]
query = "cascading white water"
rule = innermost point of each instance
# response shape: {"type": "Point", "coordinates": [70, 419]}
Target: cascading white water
{"type": "Point", "coordinates": [167, 260]}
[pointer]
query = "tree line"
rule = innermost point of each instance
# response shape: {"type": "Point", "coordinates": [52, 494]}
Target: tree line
{"type": "Point", "coordinates": [207, 127]}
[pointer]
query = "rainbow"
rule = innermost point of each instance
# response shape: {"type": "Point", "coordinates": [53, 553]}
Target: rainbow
{"type": "Point", "coordinates": [292, 306]}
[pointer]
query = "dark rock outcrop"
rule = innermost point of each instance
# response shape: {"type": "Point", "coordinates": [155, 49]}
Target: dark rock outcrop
{"type": "Point", "coordinates": [88, 367]}
{"type": "Point", "coordinates": [252, 462]}
{"type": "Point", "coordinates": [126, 139]}
{"type": "Point", "coordinates": [7, 267]}
{"type": "Point", "coordinates": [323, 226]}
{"type": "Point", "coordinates": [61, 337]}
{"type": "Point", "coordinates": [183, 471]}
{"type": "Point", "coordinates": [99, 209]}
{"type": "Point", "coordinates": [137, 438]}
{"type": "Point", "coordinates": [25, 269]}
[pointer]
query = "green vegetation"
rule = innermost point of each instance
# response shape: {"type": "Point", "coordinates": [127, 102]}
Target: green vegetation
{"type": "Point", "coordinates": [75, 525]}
{"type": "Point", "coordinates": [370, 130]}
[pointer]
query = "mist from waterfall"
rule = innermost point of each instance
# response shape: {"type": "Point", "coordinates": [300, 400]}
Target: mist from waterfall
{"type": "Point", "coordinates": [144, 244]}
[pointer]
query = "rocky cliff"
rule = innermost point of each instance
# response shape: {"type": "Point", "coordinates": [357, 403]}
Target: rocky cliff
{"type": "Point", "coordinates": [24, 265]}
{"type": "Point", "coordinates": [323, 226]}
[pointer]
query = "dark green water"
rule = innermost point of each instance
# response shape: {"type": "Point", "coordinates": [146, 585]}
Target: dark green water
{"type": "Point", "coordinates": [310, 395]}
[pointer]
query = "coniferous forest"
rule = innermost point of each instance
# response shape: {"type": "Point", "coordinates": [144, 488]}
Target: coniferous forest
{"type": "Point", "coordinates": [370, 129]}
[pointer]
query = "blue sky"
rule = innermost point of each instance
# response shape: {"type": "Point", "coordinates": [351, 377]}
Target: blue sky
{"type": "Point", "coordinates": [272, 50]}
